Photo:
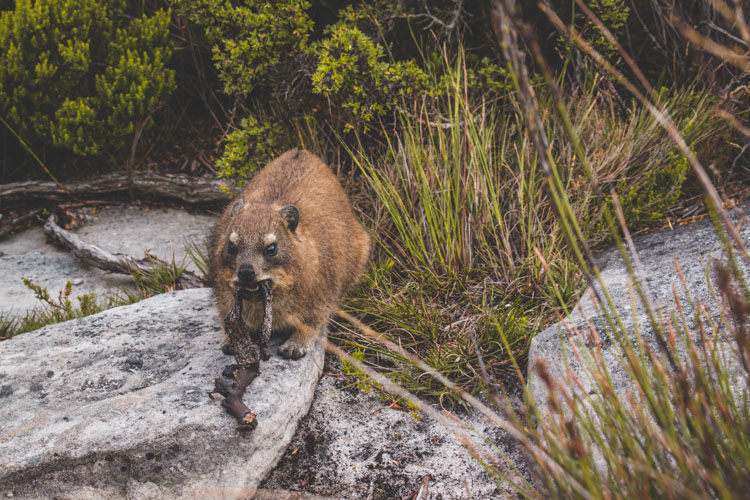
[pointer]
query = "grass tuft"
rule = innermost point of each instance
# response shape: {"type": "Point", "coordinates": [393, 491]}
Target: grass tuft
{"type": "Point", "coordinates": [51, 310]}
{"type": "Point", "coordinates": [466, 228]}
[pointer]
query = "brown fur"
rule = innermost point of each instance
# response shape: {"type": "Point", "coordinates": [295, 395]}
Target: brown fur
{"type": "Point", "coordinates": [316, 263]}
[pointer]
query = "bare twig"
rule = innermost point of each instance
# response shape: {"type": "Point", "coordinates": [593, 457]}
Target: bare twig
{"type": "Point", "coordinates": [121, 264]}
{"type": "Point", "coordinates": [7, 226]}
{"type": "Point", "coordinates": [233, 392]}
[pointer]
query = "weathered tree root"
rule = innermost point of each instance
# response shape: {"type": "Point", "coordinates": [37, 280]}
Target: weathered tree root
{"type": "Point", "coordinates": [234, 391]}
{"type": "Point", "coordinates": [249, 349]}
{"type": "Point", "coordinates": [100, 258]}
{"type": "Point", "coordinates": [176, 186]}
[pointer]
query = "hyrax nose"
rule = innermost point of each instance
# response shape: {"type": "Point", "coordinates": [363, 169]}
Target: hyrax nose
{"type": "Point", "coordinates": [246, 274]}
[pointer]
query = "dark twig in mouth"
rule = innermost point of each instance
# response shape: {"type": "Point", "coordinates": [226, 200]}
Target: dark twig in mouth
{"type": "Point", "coordinates": [265, 328]}
{"type": "Point", "coordinates": [249, 350]}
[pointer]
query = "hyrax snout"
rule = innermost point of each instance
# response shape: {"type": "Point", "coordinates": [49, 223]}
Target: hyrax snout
{"type": "Point", "coordinates": [292, 225]}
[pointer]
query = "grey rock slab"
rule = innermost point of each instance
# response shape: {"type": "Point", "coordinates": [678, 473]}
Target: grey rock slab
{"type": "Point", "coordinates": [692, 246]}
{"type": "Point", "coordinates": [135, 230]}
{"type": "Point", "coordinates": [115, 405]}
{"type": "Point", "coordinates": [351, 445]}
{"type": "Point", "coordinates": [28, 255]}
{"type": "Point", "coordinates": [125, 229]}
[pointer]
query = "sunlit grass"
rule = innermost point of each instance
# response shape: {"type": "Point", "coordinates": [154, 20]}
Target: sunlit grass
{"type": "Point", "coordinates": [465, 225]}
{"type": "Point", "coordinates": [162, 277]}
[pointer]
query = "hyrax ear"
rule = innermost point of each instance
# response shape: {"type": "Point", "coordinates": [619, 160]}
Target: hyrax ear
{"type": "Point", "coordinates": [236, 207]}
{"type": "Point", "coordinates": [290, 214]}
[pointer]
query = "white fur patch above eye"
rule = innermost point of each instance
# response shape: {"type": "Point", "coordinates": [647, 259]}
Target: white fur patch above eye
{"type": "Point", "coordinates": [233, 237]}
{"type": "Point", "coordinates": [269, 238]}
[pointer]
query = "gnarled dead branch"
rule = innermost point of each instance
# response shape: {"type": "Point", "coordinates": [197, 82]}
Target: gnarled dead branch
{"type": "Point", "coordinates": [172, 186]}
{"type": "Point", "coordinates": [121, 264]}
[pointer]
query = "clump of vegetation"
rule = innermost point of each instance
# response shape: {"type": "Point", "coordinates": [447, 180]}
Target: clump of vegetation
{"type": "Point", "coordinates": [467, 232]}
{"type": "Point", "coordinates": [670, 435]}
{"type": "Point", "coordinates": [80, 75]}
{"type": "Point", "coordinates": [631, 153]}
{"type": "Point", "coordinates": [52, 310]}
{"type": "Point", "coordinates": [250, 146]}
{"type": "Point", "coordinates": [290, 62]}
{"type": "Point", "coordinates": [163, 277]}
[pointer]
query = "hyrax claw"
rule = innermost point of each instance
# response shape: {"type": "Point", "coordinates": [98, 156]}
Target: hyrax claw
{"type": "Point", "coordinates": [292, 349]}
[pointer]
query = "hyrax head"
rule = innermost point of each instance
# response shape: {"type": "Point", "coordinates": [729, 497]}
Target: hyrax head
{"type": "Point", "coordinates": [258, 246]}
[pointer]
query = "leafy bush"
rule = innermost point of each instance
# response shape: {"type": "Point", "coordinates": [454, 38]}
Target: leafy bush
{"type": "Point", "coordinates": [249, 147]}
{"type": "Point", "coordinates": [613, 13]}
{"type": "Point", "coordinates": [251, 41]}
{"type": "Point", "coordinates": [79, 74]}
{"type": "Point", "coordinates": [351, 73]}
{"type": "Point", "coordinates": [348, 67]}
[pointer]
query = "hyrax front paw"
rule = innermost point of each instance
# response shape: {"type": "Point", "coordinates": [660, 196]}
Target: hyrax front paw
{"type": "Point", "coordinates": [293, 349]}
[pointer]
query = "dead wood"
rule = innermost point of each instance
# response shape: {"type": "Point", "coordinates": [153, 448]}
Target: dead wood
{"type": "Point", "coordinates": [265, 329]}
{"type": "Point", "coordinates": [8, 225]}
{"type": "Point", "coordinates": [244, 344]}
{"type": "Point", "coordinates": [121, 264]}
{"type": "Point", "coordinates": [173, 186]}
{"type": "Point", "coordinates": [234, 391]}
{"type": "Point", "coordinates": [249, 349]}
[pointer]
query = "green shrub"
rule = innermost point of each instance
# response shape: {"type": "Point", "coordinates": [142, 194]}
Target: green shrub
{"type": "Point", "coordinates": [645, 202]}
{"type": "Point", "coordinates": [51, 310]}
{"type": "Point", "coordinates": [352, 74]}
{"type": "Point", "coordinates": [658, 170]}
{"type": "Point", "coordinates": [349, 67]}
{"type": "Point", "coordinates": [249, 147]}
{"type": "Point", "coordinates": [251, 41]}
{"type": "Point", "coordinates": [80, 74]}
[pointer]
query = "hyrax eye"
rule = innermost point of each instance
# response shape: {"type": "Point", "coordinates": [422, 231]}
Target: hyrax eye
{"type": "Point", "coordinates": [270, 250]}
{"type": "Point", "coordinates": [232, 248]}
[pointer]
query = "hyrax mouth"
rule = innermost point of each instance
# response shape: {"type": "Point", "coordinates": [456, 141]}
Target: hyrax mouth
{"type": "Point", "coordinates": [252, 291]}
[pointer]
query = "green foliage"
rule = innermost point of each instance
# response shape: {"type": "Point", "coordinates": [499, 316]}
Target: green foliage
{"type": "Point", "coordinates": [249, 147]}
{"type": "Point", "coordinates": [252, 40]}
{"type": "Point", "coordinates": [563, 283]}
{"type": "Point", "coordinates": [461, 212]}
{"type": "Point", "coordinates": [614, 14]}
{"type": "Point", "coordinates": [645, 202]}
{"type": "Point", "coordinates": [200, 255]}
{"type": "Point", "coordinates": [364, 383]}
{"type": "Point", "coordinates": [352, 74]}
{"type": "Point", "coordinates": [52, 310]}
{"type": "Point", "coordinates": [466, 226]}
{"type": "Point", "coordinates": [78, 74]}
{"type": "Point", "coordinates": [350, 70]}
{"type": "Point", "coordinates": [650, 171]}
{"type": "Point", "coordinates": [162, 277]}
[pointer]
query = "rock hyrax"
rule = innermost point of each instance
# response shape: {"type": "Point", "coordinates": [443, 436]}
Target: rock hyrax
{"type": "Point", "coordinates": [292, 225]}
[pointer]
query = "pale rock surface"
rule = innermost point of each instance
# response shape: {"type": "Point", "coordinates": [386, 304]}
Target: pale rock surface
{"type": "Point", "coordinates": [114, 405]}
{"type": "Point", "coordinates": [353, 445]}
{"type": "Point", "coordinates": [125, 229]}
{"type": "Point", "coordinates": [692, 246]}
